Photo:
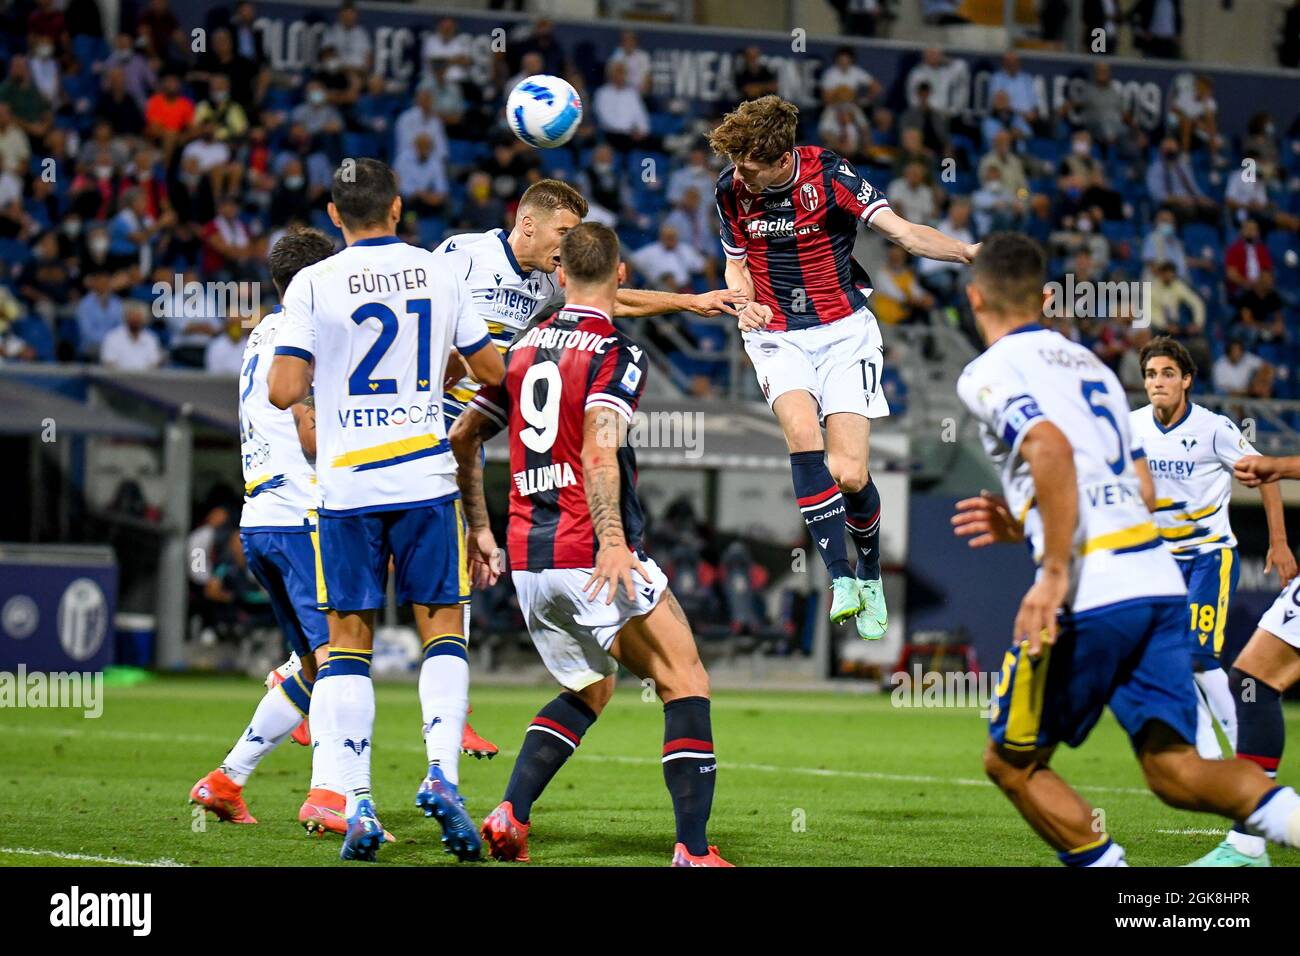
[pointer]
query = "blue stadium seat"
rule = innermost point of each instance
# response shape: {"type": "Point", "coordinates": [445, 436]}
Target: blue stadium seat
{"type": "Point", "coordinates": [463, 152]}
{"type": "Point", "coordinates": [360, 144]}
{"type": "Point", "coordinates": [89, 49]}
{"type": "Point", "coordinates": [665, 124]}
{"type": "Point", "coordinates": [1048, 150]}
{"type": "Point", "coordinates": [14, 254]}
{"type": "Point", "coordinates": [431, 230]}
{"type": "Point", "coordinates": [1198, 236]}
{"type": "Point", "coordinates": [33, 330]}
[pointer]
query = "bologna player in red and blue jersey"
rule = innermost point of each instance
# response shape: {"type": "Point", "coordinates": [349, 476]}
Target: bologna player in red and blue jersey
{"type": "Point", "coordinates": [571, 388]}
{"type": "Point", "coordinates": [790, 217]}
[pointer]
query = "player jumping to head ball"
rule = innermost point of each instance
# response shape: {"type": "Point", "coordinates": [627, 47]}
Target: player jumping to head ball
{"type": "Point", "coordinates": [790, 217]}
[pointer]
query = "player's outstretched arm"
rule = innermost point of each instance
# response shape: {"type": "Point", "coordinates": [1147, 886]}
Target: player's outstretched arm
{"type": "Point", "coordinates": [289, 381]}
{"type": "Point", "coordinates": [602, 435]}
{"type": "Point", "coordinates": [1051, 462]}
{"type": "Point", "coordinates": [986, 520]}
{"type": "Point", "coordinates": [468, 434]}
{"type": "Point", "coordinates": [922, 240]}
{"type": "Point", "coordinates": [1279, 554]}
{"type": "Point", "coordinates": [486, 365]}
{"type": "Point", "coordinates": [634, 303]}
{"type": "Point", "coordinates": [1255, 470]}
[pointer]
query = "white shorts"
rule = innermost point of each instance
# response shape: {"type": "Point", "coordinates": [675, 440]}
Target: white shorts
{"type": "Point", "coordinates": [839, 364]}
{"type": "Point", "coordinates": [1282, 619]}
{"type": "Point", "coordinates": [574, 633]}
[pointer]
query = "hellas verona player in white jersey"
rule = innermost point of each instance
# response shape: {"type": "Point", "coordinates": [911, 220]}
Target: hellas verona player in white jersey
{"type": "Point", "coordinates": [379, 320]}
{"type": "Point", "coordinates": [278, 533]}
{"type": "Point", "coordinates": [1104, 623]}
{"type": "Point", "coordinates": [1190, 452]}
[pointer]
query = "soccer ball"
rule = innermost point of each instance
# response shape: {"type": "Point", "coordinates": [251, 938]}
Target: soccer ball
{"type": "Point", "coordinates": [544, 111]}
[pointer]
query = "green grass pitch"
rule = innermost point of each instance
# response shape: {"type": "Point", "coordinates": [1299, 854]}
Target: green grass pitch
{"type": "Point", "coordinates": [805, 779]}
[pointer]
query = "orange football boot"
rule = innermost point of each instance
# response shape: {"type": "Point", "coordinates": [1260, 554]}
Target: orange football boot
{"type": "Point", "coordinates": [322, 812]}
{"type": "Point", "coordinates": [471, 744]}
{"type": "Point", "coordinates": [712, 858]}
{"type": "Point", "coordinates": [222, 796]}
{"type": "Point", "coordinates": [506, 837]}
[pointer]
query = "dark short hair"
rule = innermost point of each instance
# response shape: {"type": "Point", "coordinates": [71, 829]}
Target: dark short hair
{"type": "Point", "coordinates": [363, 191]}
{"type": "Point", "coordinates": [589, 253]}
{"type": "Point", "coordinates": [1162, 346]}
{"type": "Point", "coordinates": [1010, 271]}
{"type": "Point", "coordinates": [296, 250]}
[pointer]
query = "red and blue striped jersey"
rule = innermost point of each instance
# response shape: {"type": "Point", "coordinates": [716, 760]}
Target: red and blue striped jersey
{"type": "Point", "coordinates": [798, 238]}
{"type": "Point", "coordinates": [556, 371]}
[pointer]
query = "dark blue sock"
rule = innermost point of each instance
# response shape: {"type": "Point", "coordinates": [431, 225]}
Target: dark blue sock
{"type": "Point", "coordinates": [863, 522]}
{"type": "Point", "coordinates": [1261, 729]}
{"type": "Point", "coordinates": [822, 507]}
{"type": "Point", "coordinates": [553, 735]}
{"type": "Point", "coordinates": [690, 769]}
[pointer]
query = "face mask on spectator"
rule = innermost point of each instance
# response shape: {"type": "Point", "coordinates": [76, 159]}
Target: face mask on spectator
{"type": "Point", "coordinates": [42, 52]}
{"type": "Point", "coordinates": [1166, 229]}
{"type": "Point", "coordinates": [98, 245]}
{"type": "Point", "coordinates": [1080, 147]}
{"type": "Point", "coordinates": [103, 172]}
{"type": "Point", "coordinates": [220, 96]}
{"type": "Point", "coordinates": [1085, 224]}
{"type": "Point", "coordinates": [294, 182]}
{"type": "Point", "coordinates": [316, 97]}
{"type": "Point", "coordinates": [72, 227]}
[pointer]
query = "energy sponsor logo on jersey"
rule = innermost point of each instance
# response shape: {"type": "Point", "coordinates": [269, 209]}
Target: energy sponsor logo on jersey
{"type": "Point", "coordinates": [1089, 299]}
{"type": "Point", "coordinates": [1170, 468]}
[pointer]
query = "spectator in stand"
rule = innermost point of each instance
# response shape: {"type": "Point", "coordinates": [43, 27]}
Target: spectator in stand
{"type": "Point", "coordinates": [897, 296]}
{"type": "Point", "coordinates": [843, 127]}
{"type": "Point", "coordinates": [47, 22]}
{"type": "Point", "coordinates": [932, 125]}
{"type": "Point", "coordinates": [1170, 182]}
{"type": "Point", "coordinates": [1019, 87]}
{"type": "Point", "coordinates": [137, 73]}
{"type": "Point", "coordinates": [1239, 372]}
{"type": "Point", "coordinates": [695, 174]}
{"type": "Point", "coordinates": [696, 224]}
{"type": "Point", "coordinates": [45, 281]}
{"type": "Point", "coordinates": [225, 353]}
{"type": "Point", "coordinates": [229, 250]}
{"type": "Point", "coordinates": [15, 146]}
{"type": "Point", "coordinates": [31, 110]}
{"type": "Point", "coordinates": [1196, 112]}
{"type": "Point", "coordinates": [1244, 260]}
{"type": "Point", "coordinates": [215, 160]}
{"type": "Point", "coordinates": [421, 118]}
{"type": "Point", "coordinates": [482, 211]}
{"type": "Point", "coordinates": [190, 333]}
{"type": "Point", "coordinates": [246, 80]}
{"type": "Point", "coordinates": [912, 197]}
{"type": "Point", "coordinates": [169, 115]}
{"type": "Point", "coordinates": [422, 178]}
{"type": "Point", "coordinates": [635, 60]}
{"type": "Point", "coordinates": [247, 39]}
{"type": "Point", "coordinates": [117, 107]}
{"type": "Point", "coordinates": [1010, 166]}
{"type": "Point", "coordinates": [1248, 196]}
{"type": "Point", "coordinates": [510, 166]}
{"type": "Point", "coordinates": [134, 233]}
{"type": "Point", "coordinates": [1260, 317]}
{"type": "Point", "coordinates": [342, 86]}
{"type": "Point", "coordinates": [448, 102]}
{"type": "Point", "coordinates": [1169, 296]}
{"type": "Point", "coordinates": [949, 82]}
{"type": "Point", "coordinates": [227, 117]}
{"type": "Point", "coordinates": [541, 40]}
{"type": "Point", "coordinates": [995, 206]}
{"type": "Point", "coordinates": [530, 64]}
{"type": "Point", "coordinates": [1101, 19]}
{"type": "Point", "coordinates": [1101, 112]}
{"type": "Point", "coordinates": [350, 40]}
{"type": "Point", "coordinates": [321, 119]}
{"type": "Point", "coordinates": [844, 73]}
{"type": "Point", "coordinates": [669, 264]}
{"type": "Point", "coordinates": [621, 113]}
{"type": "Point", "coordinates": [45, 70]}
{"type": "Point", "coordinates": [1260, 140]}
{"type": "Point", "coordinates": [752, 77]}
{"type": "Point", "coordinates": [449, 50]}
{"type": "Point", "coordinates": [161, 32]}
{"type": "Point", "coordinates": [98, 311]}
{"type": "Point", "coordinates": [912, 149]}
{"type": "Point", "coordinates": [132, 346]}
{"type": "Point", "coordinates": [945, 279]}
{"type": "Point", "coordinates": [1158, 28]}
{"type": "Point", "coordinates": [1001, 119]}
{"type": "Point", "coordinates": [290, 198]}
{"type": "Point", "coordinates": [858, 17]}
{"type": "Point", "coordinates": [1078, 171]}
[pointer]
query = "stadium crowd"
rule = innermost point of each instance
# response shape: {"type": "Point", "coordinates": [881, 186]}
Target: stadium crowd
{"type": "Point", "coordinates": [139, 161]}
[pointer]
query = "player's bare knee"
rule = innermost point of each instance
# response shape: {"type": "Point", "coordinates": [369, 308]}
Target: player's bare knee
{"type": "Point", "coordinates": [849, 475]}
{"type": "Point", "coordinates": [1169, 771]}
{"type": "Point", "coordinates": [1007, 772]}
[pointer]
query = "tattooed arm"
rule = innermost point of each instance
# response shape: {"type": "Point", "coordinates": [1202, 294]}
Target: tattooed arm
{"type": "Point", "coordinates": [304, 416]}
{"type": "Point", "coordinates": [602, 434]}
{"type": "Point", "coordinates": [468, 434]}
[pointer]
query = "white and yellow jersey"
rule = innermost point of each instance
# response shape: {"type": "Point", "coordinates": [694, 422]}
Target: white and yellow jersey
{"type": "Point", "coordinates": [505, 296]}
{"type": "Point", "coordinates": [279, 481]}
{"type": "Point", "coordinates": [1034, 375]}
{"type": "Point", "coordinates": [1191, 465]}
{"type": "Point", "coordinates": [379, 319]}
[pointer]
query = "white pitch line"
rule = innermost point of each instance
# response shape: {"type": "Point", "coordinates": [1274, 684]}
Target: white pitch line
{"type": "Point", "coordinates": [87, 857]}
{"type": "Point", "coordinates": [580, 756]}
{"type": "Point", "coordinates": [1195, 831]}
